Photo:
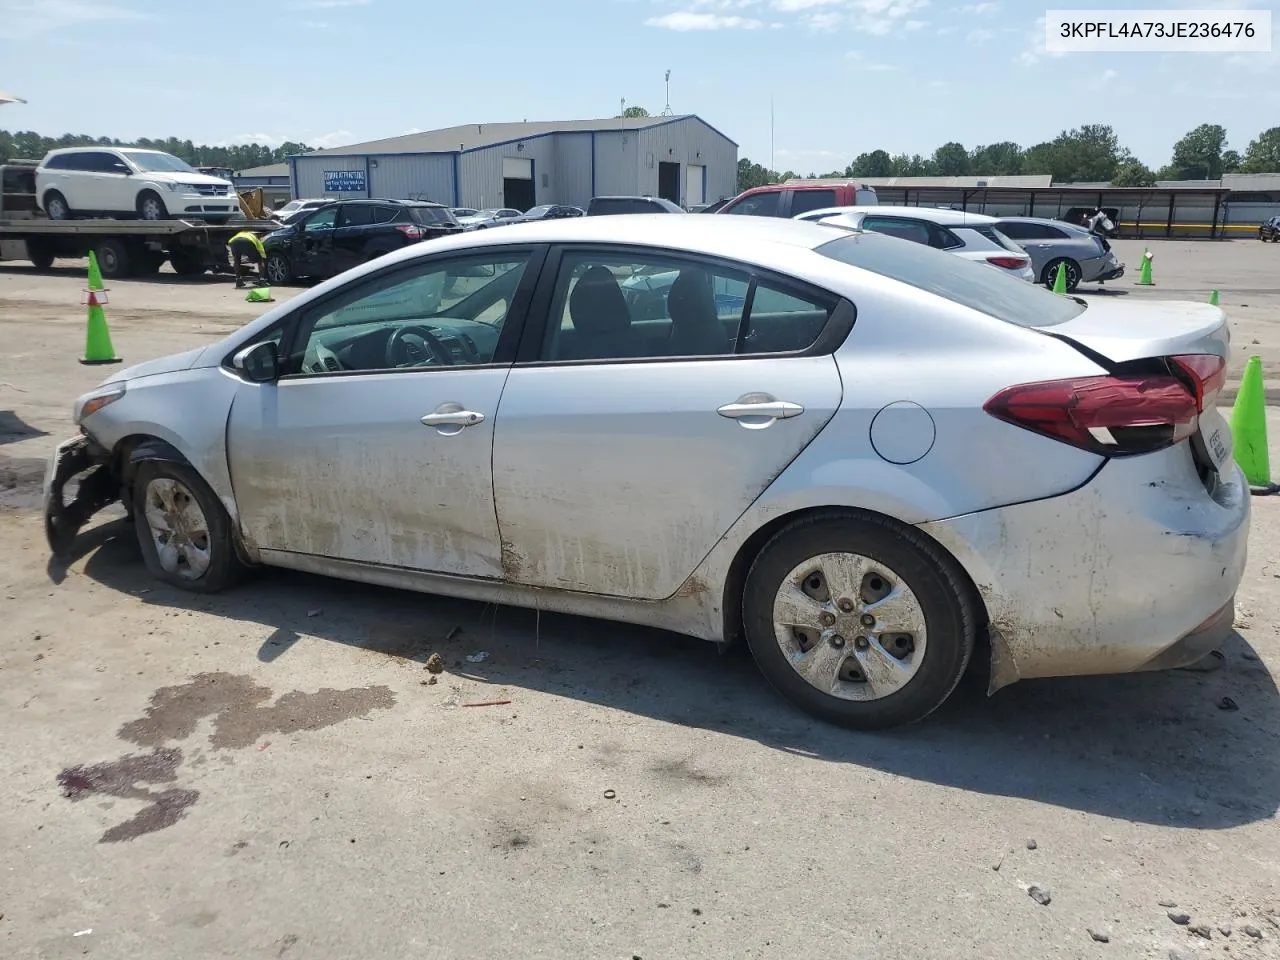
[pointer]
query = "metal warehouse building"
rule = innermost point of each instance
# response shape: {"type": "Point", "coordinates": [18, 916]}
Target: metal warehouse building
{"type": "Point", "coordinates": [520, 165]}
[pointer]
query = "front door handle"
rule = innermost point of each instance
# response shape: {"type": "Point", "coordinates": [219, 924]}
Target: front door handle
{"type": "Point", "coordinates": [761, 410]}
{"type": "Point", "coordinates": [459, 418]}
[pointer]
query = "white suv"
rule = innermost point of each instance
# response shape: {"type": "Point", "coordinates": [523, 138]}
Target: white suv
{"type": "Point", "coordinates": [114, 182]}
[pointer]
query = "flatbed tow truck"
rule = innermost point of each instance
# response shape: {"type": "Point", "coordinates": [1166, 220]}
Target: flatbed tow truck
{"type": "Point", "coordinates": [123, 248]}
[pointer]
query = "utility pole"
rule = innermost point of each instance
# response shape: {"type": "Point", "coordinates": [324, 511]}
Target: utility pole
{"type": "Point", "coordinates": [666, 111]}
{"type": "Point", "coordinates": [773, 163]}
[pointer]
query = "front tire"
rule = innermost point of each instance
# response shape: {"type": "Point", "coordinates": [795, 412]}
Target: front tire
{"type": "Point", "coordinates": [183, 530]}
{"type": "Point", "coordinates": [278, 269]}
{"type": "Point", "coordinates": [151, 207]}
{"type": "Point", "coordinates": [859, 620]}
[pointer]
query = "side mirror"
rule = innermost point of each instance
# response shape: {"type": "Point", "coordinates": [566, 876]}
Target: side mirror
{"type": "Point", "coordinates": [260, 362]}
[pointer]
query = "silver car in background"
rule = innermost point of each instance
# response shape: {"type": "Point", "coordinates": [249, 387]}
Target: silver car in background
{"type": "Point", "coordinates": [972, 236]}
{"type": "Point", "coordinates": [1088, 258]}
{"type": "Point", "coordinates": [866, 457]}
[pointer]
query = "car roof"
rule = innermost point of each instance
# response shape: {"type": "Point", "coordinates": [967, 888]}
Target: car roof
{"type": "Point", "coordinates": [940, 216]}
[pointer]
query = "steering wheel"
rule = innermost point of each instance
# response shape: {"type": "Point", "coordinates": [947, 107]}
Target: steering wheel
{"type": "Point", "coordinates": [416, 346]}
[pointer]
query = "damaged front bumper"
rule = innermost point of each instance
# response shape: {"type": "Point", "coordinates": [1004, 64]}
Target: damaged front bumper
{"type": "Point", "coordinates": [62, 521]}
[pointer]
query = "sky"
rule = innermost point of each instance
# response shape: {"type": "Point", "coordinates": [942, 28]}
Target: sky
{"type": "Point", "coordinates": [843, 76]}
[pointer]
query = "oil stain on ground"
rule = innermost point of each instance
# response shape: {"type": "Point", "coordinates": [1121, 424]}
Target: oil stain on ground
{"type": "Point", "coordinates": [241, 713]}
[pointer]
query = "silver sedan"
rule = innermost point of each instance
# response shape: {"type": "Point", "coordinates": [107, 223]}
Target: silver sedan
{"type": "Point", "coordinates": [866, 457]}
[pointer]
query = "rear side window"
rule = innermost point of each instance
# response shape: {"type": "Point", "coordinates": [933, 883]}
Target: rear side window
{"type": "Point", "coordinates": [917, 231]}
{"type": "Point", "coordinates": [998, 238]}
{"type": "Point", "coordinates": [802, 201]}
{"type": "Point", "coordinates": [757, 205]}
{"type": "Point", "coordinates": [866, 197]}
{"type": "Point", "coordinates": [609, 206]}
{"type": "Point", "coordinates": [993, 292]}
{"type": "Point", "coordinates": [357, 214]}
{"type": "Point", "coordinates": [1020, 230]}
{"type": "Point", "coordinates": [60, 162]}
{"type": "Point", "coordinates": [431, 215]}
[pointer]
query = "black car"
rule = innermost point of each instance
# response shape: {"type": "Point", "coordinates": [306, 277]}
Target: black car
{"type": "Point", "coordinates": [1270, 230]}
{"type": "Point", "coordinates": [324, 242]}
{"type": "Point", "coordinates": [607, 206]}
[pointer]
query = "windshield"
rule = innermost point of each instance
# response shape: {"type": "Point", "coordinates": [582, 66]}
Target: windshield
{"type": "Point", "coordinates": [158, 162]}
{"type": "Point", "coordinates": [291, 206]}
{"type": "Point", "coordinates": [537, 211]}
{"type": "Point", "coordinates": [993, 292]}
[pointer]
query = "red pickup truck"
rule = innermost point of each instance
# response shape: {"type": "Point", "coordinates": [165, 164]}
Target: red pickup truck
{"type": "Point", "coordinates": [795, 197]}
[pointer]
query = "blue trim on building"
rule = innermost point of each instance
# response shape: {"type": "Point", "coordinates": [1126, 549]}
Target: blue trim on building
{"type": "Point", "coordinates": [368, 178]}
{"type": "Point", "coordinates": [593, 163]}
{"type": "Point", "coordinates": [457, 179]}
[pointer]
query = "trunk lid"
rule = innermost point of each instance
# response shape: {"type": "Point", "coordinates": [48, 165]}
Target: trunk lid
{"type": "Point", "coordinates": [1122, 331]}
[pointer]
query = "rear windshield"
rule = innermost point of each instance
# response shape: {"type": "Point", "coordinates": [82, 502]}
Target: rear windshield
{"type": "Point", "coordinates": [600, 206]}
{"type": "Point", "coordinates": [431, 215]}
{"type": "Point", "coordinates": [993, 292]}
{"type": "Point", "coordinates": [995, 236]}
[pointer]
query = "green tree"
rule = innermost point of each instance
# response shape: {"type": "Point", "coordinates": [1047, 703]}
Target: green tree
{"type": "Point", "coordinates": [996, 159]}
{"type": "Point", "coordinates": [1198, 155]}
{"type": "Point", "coordinates": [1133, 173]}
{"type": "Point", "coordinates": [1231, 161]}
{"type": "Point", "coordinates": [754, 175]}
{"type": "Point", "coordinates": [877, 163]}
{"type": "Point", "coordinates": [951, 160]}
{"type": "Point", "coordinates": [632, 112]}
{"type": "Point", "coordinates": [1263, 154]}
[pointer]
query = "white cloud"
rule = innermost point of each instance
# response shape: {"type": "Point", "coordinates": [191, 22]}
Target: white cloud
{"type": "Point", "coordinates": [876, 17]}
{"type": "Point", "coordinates": [912, 25]}
{"type": "Point", "coordinates": [980, 8]}
{"type": "Point", "coordinates": [979, 36]}
{"type": "Point", "coordinates": [337, 138]}
{"type": "Point", "coordinates": [1035, 48]}
{"type": "Point", "coordinates": [686, 20]}
{"type": "Point", "coordinates": [25, 19]}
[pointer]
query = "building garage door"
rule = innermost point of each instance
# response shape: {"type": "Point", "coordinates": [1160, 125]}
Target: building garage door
{"type": "Point", "coordinates": [517, 183]}
{"type": "Point", "coordinates": [695, 184]}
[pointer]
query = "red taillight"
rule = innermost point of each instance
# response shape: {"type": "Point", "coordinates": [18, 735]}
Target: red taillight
{"type": "Point", "coordinates": [1209, 374]}
{"type": "Point", "coordinates": [1111, 416]}
{"type": "Point", "coordinates": [411, 230]}
{"type": "Point", "coordinates": [1009, 263]}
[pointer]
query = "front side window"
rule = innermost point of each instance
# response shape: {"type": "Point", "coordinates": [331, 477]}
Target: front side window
{"type": "Point", "coordinates": [618, 307]}
{"type": "Point", "coordinates": [432, 314]}
{"type": "Point", "coordinates": [323, 220]}
{"type": "Point", "coordinates": [757, 205]}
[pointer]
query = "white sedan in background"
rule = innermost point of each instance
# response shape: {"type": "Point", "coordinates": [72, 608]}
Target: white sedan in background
{"type": "Point", "coordinates": [972, 236]}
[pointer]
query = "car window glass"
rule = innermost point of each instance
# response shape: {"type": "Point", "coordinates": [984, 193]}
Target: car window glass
{"type": "Point", "coordinates": [914, 230]}
{"type": "Point", "coordinates": [110, 163]}
{"type": "Point", "coordinates": [1015, 229]}
{"type": "Point", "coordinates": [942, 238]}
{"type": "Point", "coordinates": [757, 205]}
{"type": "Point", "coordinates": [322, 220]}
{"type": "Point", "coordinates": [1053, 233]}
{"type": "Point", "coordinates": [355, 215]}
{"type": "Point", "coordinates": [993, 292]}
{"type": "Point", "coordinates": [866, 197]}
{"type": "Point", "coordinates": [61, 162]}
{"type": "Point", "coordinates": [784, 320]}
{"type": "Point", "coordinates": [608, 307]}
{"type": "Point", "coordinates": [435, 313]}
{"type": "Point", "coordinates": [802, 201]}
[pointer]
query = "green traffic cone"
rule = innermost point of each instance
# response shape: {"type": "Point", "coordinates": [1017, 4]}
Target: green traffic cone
{"type": "Point", "coordinates": [1060, 279]}
{"type": "Point", "coordinates": [1249, 427]}
{"type": "Point", "coordinates": [97, 340]}
{"type": "Point", "coordinates": [1144, 275]}
{"type": "Point", "coordinates": [1213, 298]}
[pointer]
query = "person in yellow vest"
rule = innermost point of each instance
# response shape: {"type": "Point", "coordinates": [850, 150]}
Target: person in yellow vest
{"type": "Point", "coordinates": [245, 245]}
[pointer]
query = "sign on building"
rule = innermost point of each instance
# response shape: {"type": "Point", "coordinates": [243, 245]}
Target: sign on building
{"type": "Point", "coordinates": [344, 181]}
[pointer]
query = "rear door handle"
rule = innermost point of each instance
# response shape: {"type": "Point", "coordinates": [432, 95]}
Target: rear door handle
{"type": "Point", "coordinates": [459, 418]}
{"type": "Point", "coordinates": [766, 410]}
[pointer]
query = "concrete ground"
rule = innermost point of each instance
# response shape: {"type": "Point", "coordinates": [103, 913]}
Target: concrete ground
{"type": "Point", "coordinates": [270, 772]}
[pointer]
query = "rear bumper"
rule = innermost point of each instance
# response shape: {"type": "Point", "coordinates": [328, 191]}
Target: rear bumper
{"type": "Point", "coordinates": [1136, 570]}
{"type": "Point", "coordinates": [1102, 268]}
{"type": "Point", "coordinates": [1113, 274]}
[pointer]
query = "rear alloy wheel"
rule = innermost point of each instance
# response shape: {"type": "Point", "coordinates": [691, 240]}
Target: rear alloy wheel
{"type": "Point", "coordinates": [278, 269]}
{"type": "Point", "coordinates": [182, 528]}
{"type": "Point", "coordinates": [55, 206]}
{"type": "Point", "coordinates": [1051, 273]}
{"type": "Point", "coordinates": [151, 207]}
{"type": "Point", "coordinates": [858, 620]}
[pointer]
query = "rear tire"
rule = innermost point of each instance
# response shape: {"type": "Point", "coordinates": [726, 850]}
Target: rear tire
{"type": "Point", "coordinates": [183, 530]}
{"type": "Point", "coordinates": [40, 256]}
{"type": "Point", "coordinates": [902, 600]}
{"type": "Point", "coordinates": [1051, 272]}
{"type": "Point", "coordinates": [185, 264]}
{"type": "Point", "coordinates": [151, 207]}
{"type": "Point", "coordinates": [114, 260]}
{"type": "Point", "coordinates": [56, 207]}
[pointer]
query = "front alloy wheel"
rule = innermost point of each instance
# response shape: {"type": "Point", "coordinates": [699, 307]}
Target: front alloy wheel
{"type": "Point", "coordinates": [178, 529]}
{"type": "Point", "coordinates": [183, 529]}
